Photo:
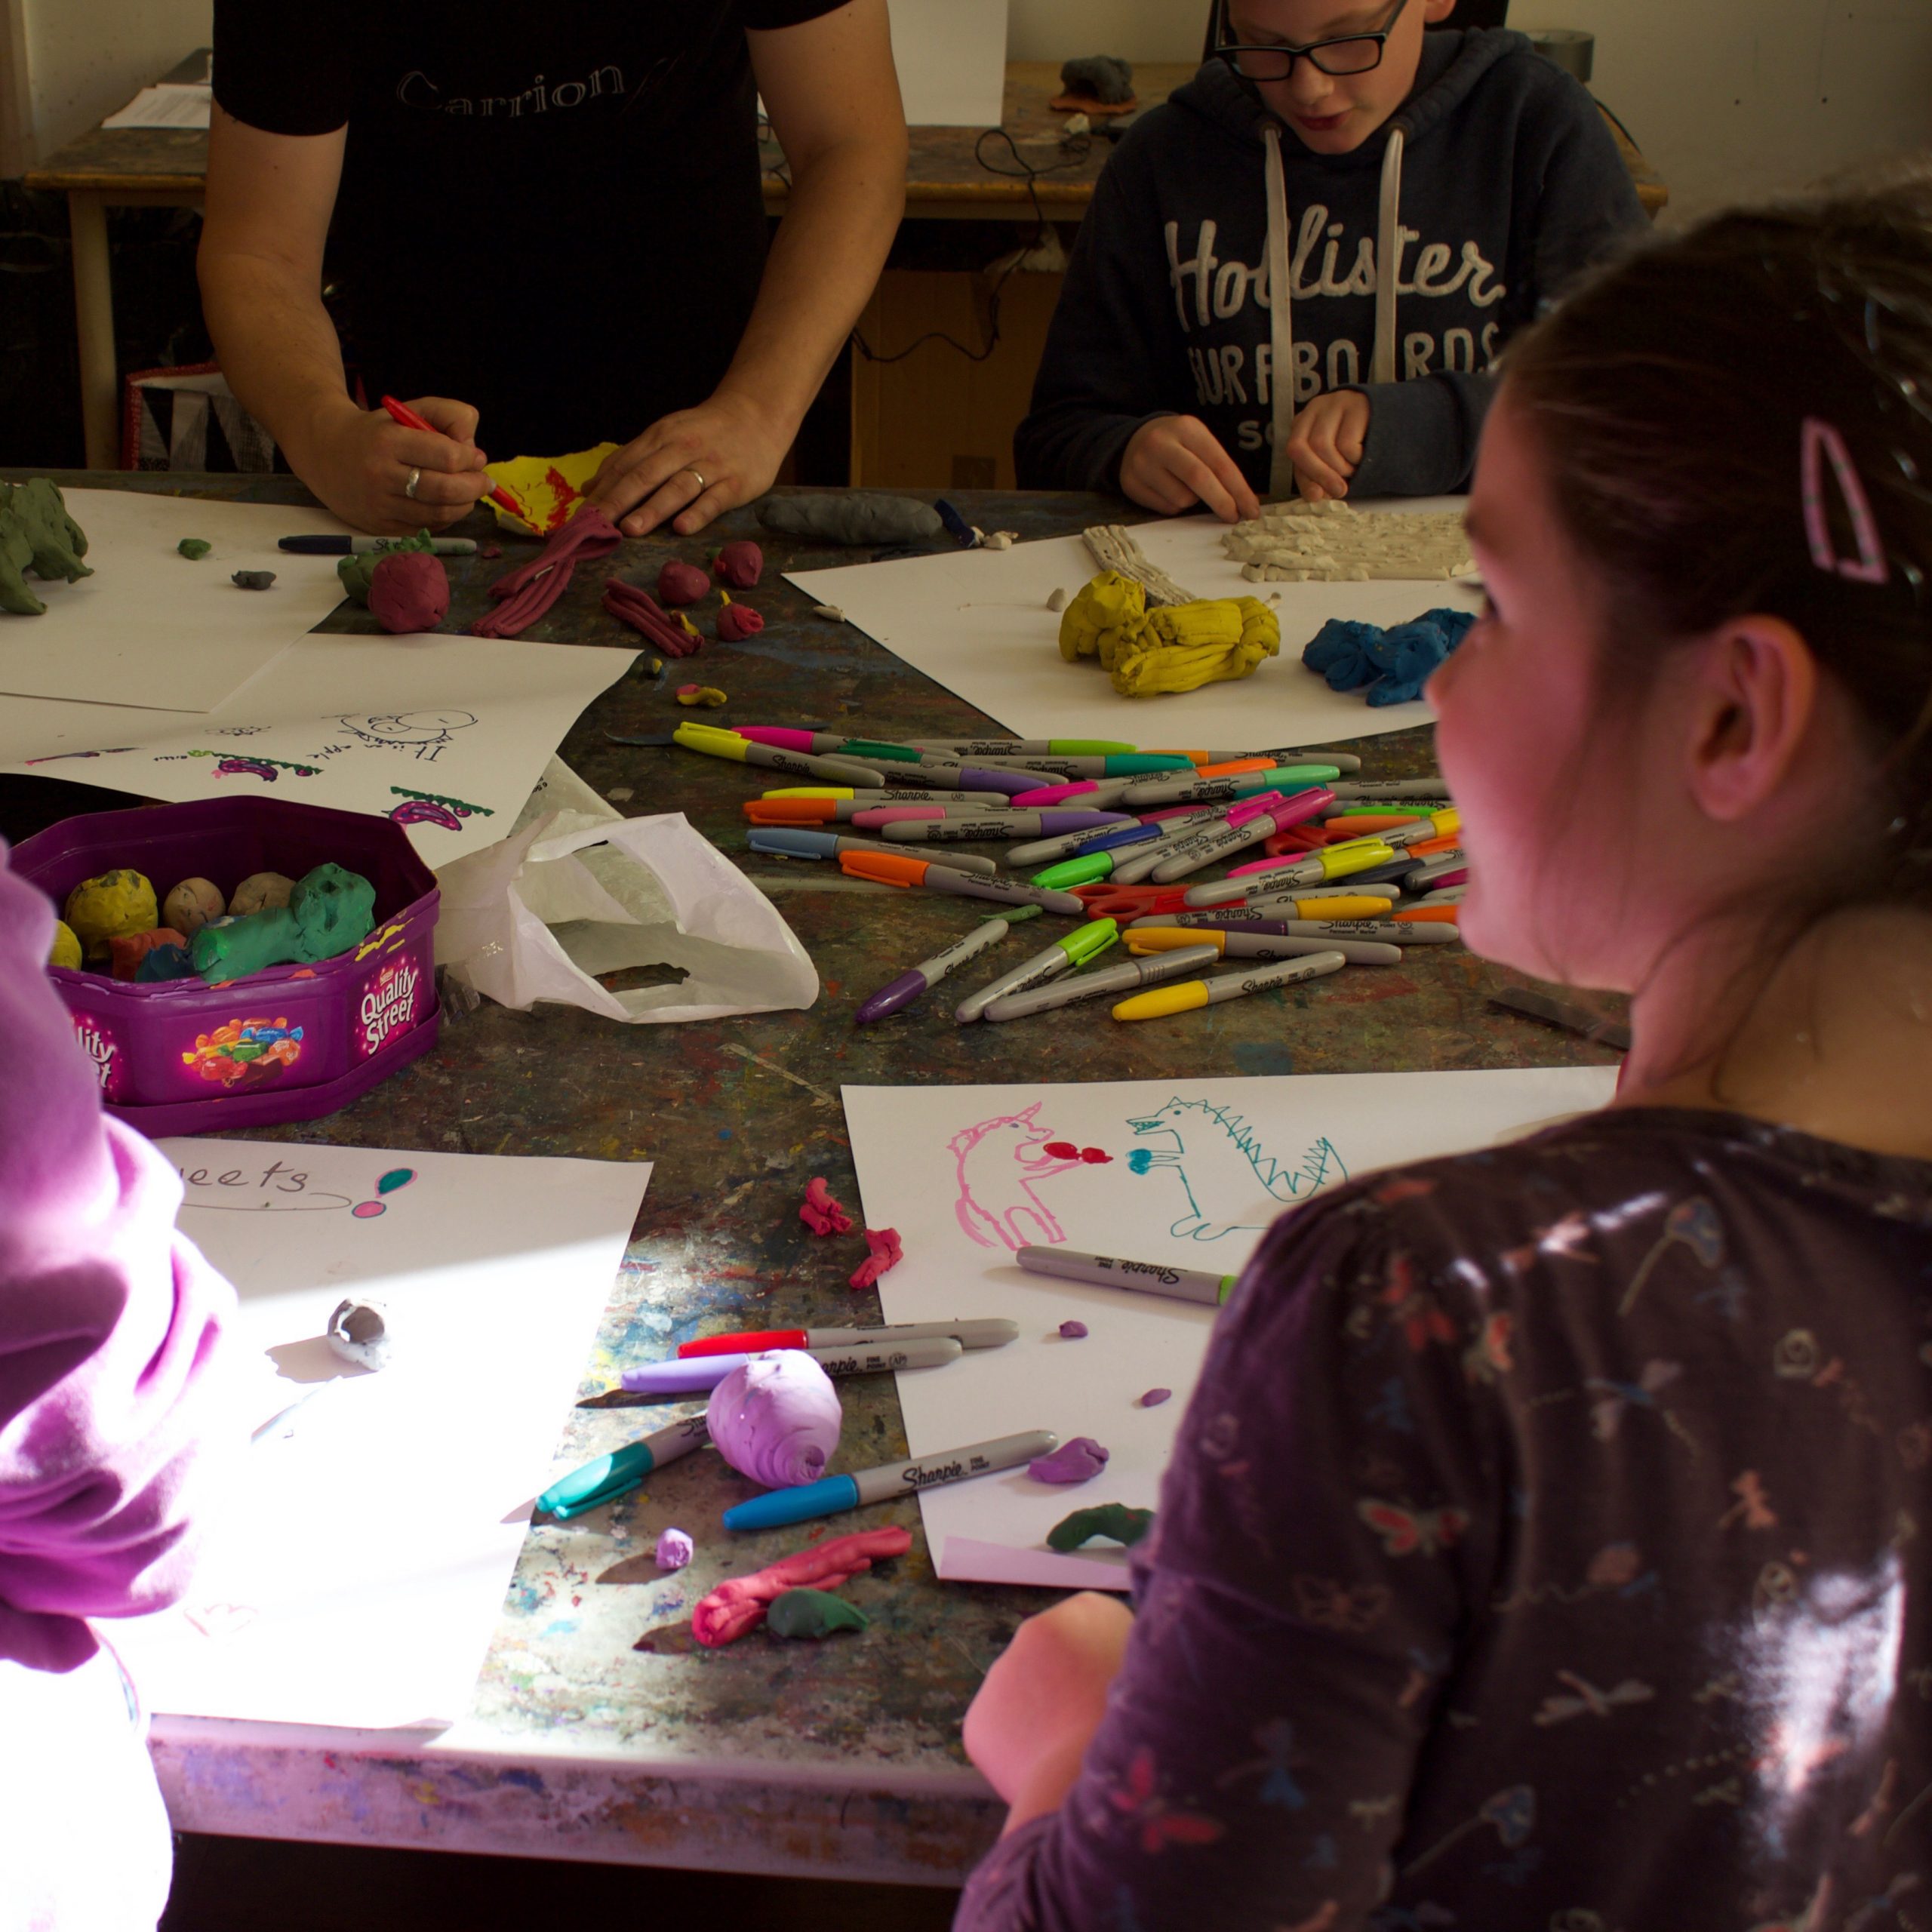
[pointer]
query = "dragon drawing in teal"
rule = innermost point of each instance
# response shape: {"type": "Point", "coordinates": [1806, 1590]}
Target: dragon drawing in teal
{"type": "Point", "coordinates": [1220, 1162]}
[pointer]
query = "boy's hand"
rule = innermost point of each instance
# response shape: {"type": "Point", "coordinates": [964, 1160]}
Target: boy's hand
{"type": "Point", "coordinates": [1326, 444]}
{"type": "Point", "coordinates": [1175, 462]}
{"type": "Point", "coordinates": [1030, 1726]}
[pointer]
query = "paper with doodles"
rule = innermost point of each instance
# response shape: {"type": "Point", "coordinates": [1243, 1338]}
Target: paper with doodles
{"type": "Point", "coordinates": [1186, 1172]}
{"type": "Point", "coordinates": [355, 1570]}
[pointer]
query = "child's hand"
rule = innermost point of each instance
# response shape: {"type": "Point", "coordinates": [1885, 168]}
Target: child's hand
{"type": "Point", "coordinates": [1175, 462]}
{"type": "Point", "coordinates": [1042, 1701]}
{"type": "Point", "coordinates": [1326, 444]}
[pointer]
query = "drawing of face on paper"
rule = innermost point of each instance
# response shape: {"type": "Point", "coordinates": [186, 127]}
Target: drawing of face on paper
{"type": "Point", "coordinates": [421, 734]}
{"type": "Point", "coordinates": [1228, 1180]}
{"type": "Point", "coordinates": [1000, 1162]}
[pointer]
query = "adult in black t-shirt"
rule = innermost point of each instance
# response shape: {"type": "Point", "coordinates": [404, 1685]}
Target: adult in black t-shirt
{"type": "Point", "coordinates": [551, 217]}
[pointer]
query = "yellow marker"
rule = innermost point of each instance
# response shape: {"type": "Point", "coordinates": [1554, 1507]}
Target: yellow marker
{"type": "Point", "coordinates": [1194, 994]}
{"type": "Point", "coordinates": [1339, 906]}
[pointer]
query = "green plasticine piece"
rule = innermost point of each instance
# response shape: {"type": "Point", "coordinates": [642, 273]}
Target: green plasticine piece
{"type": "Point", "coordinates": [357, 570]}
{"type": "Point", "coordinates": [16, 553]}
{"type": "Point", "coordinates": [194, 547]}
{"type": "Point", "coordinates": [58, 542]}
{"type": "Point", "coordinates": [1116, 1520]}
{"type": "Point", "coordinates": [329, 911]}
{"type": "Point", "coordinates": [814, 1613]}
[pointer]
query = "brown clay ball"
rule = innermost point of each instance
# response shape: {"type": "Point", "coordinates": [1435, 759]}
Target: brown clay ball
{"type": "Point", "coordinates": [681, 582]}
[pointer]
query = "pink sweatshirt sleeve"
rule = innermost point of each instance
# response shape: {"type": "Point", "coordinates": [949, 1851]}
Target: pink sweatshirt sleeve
{"type": "Point", "coordinates": [108, 1322]}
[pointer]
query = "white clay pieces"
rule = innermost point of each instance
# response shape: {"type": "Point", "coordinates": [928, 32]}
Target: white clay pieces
{"type": "Point", "coordinates": [1114, 548]}
{"type": "Point", "coordinates": [1330, 542]}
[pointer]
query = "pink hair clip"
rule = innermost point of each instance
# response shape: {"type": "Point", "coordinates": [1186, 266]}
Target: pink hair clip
{"type": "Point", "coordinates": [1822, 439]}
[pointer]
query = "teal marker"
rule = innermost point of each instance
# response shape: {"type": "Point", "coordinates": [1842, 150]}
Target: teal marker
{"type": "Point", "coordinates": [612, 1476]}
{"type": "Point", "coordinates": [1091, 940]}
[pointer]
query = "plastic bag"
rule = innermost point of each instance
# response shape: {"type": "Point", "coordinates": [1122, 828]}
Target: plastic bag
{"type": "Point", "coordinates": [576, 890]}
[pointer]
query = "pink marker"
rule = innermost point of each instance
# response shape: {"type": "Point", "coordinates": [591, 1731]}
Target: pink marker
{"type": "Point", "coordinates": [784, 737]}
{"type": "Point", "coordinates": [1251, 808]}
{"type": "Point", "coordinates": [1053, 795]}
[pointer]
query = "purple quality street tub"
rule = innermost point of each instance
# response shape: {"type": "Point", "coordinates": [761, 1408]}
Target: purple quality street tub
{"type": "Point", "coordinates": [290, 1043]}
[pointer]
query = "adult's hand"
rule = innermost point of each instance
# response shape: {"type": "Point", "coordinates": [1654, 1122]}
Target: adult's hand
{"type": "Point", "coordinates": [1030, 1726]}
{"type": "Point", "coordinates": [359, 462]}
{"type": "Point", "coordinates": [1326, 444]}
{"type": "Point", "coordinates": [690, 466]}
{"type": "Point", "coordinates": [1175, 462]}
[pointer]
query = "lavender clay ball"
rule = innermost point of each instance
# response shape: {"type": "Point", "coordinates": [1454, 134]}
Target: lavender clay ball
{"type": "Point", "coordinates": [674, 1549]}
{"type": "Point", "coordinates": [776, 1419]}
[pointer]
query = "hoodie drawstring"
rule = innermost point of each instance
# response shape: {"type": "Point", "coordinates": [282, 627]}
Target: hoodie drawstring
{"type": "Point", "coordinates": [1281, 318]}
{"type": "Point", "coordinates": [1388, 258]}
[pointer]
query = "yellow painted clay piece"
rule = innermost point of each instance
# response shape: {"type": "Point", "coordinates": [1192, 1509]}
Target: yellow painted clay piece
{"type": "Point", "coordinates": [66, 948]}
{"type": "Point", "coordinates": [109, 906]}
{"type": "Point", "coordinates": [545, 486]}
{"type": "Point", "coordinates": [1176, 647]}
{"type": "Point", "coordinates": [707, 695]}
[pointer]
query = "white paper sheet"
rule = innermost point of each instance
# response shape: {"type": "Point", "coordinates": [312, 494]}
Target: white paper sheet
{"type": "Point", "coordinates": [450, 732]}
{"type": "Point", "coordinates": [169, 104]}
{"type": "Point", "coordinates": [976, 621]}
{"type": "Point", "coordinates": [356, 1570]}
{"type": "Point", "coordinates": [951, 55]}
{"type": "Point", "coordinates": [151, 629]}
{"type": "Point", "coordinates": [965, 1175]}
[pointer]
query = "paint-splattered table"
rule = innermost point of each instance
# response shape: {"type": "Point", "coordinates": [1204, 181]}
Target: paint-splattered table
{"type": "Point", "coordinates": [841, 1759]}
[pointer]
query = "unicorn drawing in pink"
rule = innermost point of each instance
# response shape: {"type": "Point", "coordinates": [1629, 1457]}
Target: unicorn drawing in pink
{"type": "Point", "coordinates": [1000, 1163]}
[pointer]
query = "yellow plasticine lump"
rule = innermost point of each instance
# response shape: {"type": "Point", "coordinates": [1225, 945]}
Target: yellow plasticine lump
{"type": "Point", "coordinates": [1177, 648]}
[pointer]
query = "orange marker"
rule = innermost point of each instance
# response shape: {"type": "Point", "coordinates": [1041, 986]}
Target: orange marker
{"type": "Point", "coordinates": [1415, 915]}
{"type": "Point", "coordinates": [888, 869]}
{"type": "Point", "coordinates": [1233, 767]}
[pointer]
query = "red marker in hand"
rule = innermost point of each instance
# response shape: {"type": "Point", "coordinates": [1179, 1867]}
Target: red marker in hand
{"type": "Point", "coordinates": [408, 418]}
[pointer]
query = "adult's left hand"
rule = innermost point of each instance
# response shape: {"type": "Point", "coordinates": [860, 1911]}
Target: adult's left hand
{"type": "Point", "coordinates": [690, 467]}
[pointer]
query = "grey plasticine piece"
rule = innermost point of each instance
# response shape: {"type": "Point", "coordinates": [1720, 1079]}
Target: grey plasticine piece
{"type": "Point", "coordinates": [254, 579]}
{"type": "Point", "coordinates": [1101, 77]}
{"type": "Point", "coordinates": [851, 517]}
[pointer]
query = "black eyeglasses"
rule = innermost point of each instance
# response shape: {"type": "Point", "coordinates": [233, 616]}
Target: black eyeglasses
{"type": "Point", "coordinates": [1348, 54]}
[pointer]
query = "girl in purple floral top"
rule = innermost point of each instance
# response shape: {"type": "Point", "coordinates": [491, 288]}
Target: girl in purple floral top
{"type": "Point", "coordinates": [1548, 1547]}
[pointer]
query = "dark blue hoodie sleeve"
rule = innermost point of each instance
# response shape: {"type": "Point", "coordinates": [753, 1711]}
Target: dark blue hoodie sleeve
{"type": "Point", "coordinates": [1112, 336]}
{"type": "Point", "coordinates": [1578, 203]}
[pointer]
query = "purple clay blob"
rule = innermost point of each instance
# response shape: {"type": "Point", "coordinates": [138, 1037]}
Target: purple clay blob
{"type": "Point", "coordinates": [674, 1549]}
{"type": "Point", "coordinates": [1073, 1331]}
{"type": "Point", "coordinates": [1154, 1398]}
{"type": "Point", "coordinates": [776, 1419]}
{"type": "Point", "coordinates": [1080, 1460]}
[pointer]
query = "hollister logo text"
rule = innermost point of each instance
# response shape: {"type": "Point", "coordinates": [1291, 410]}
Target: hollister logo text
{"type": "Point", "coordinates": [389, 1005]}
{"type": "Point", "coordinates": [99, 1047]}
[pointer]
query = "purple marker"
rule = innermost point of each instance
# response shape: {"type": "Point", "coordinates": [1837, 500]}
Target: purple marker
{"type": "Point", "coordinates": [694, 1375]}
{"type": "Point", "coordinates": [901, 993]}
{"type": "Point", "coordinates": [1005, 824]}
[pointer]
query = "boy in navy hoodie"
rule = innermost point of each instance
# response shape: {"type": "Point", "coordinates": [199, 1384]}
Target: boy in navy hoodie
{"type": "Point", "coordinates": [1323, 138]}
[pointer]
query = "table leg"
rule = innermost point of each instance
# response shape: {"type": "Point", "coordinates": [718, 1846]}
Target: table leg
{"type": "Point", "coordinates": [93, 322]}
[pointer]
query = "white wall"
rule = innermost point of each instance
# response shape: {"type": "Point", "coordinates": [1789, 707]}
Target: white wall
{"type": "Point", "coordinates": [85, 58]}
{"type": "Point", "coordinates": [1729, 99]}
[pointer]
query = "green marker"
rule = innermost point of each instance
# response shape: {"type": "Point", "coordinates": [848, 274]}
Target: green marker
{"type": "Point", "coordinates": [1092, 939]}
{"type": "Point", "coordinates": [611, 1476]}
{"type": "Point", "coordinates": [1146, 1278]}
{"type": "Point", "coordinates": [1082, 871]}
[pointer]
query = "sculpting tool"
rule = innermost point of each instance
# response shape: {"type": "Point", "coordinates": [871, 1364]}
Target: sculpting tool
{"type": "Point", "coordinates": [724, 744]}
{"type": "Point", "coordinates": [358, 546]}
{"type": "Point", "coordinates": [1146, 1278]}
{"type": "Point", "coordinates": [900, 993]}
{"type": "Point", "coordinates": [1332, 863]}
{"type": "Point", "coordinates": [890, 869]}
{"type": "Point", "coordinates": [1064, 954]}
{"type": "Point", "coordinates": [613, 1475]}
{"type": "Point", "coordinates": [1009, 825]}
{"type": "Point", "coordinates": [791, 842]}
{"type": "Point", "coordinates": [696, 1375]}
{"type": "Point", "coordinates": [831, 1494]}
{"type": "Point", "coordinates": [400, 412]}
{"type": "Point", "coordinates": [1128, 976]}
{"type": "Point", "coordinates": [1232, 943]}
{"type": "Point", "coordinates": [1197, 993]}
{"type": "Point", "coordinates": [973, 1331]}
{"type": "Point", "coordinates": [1594, 1027]}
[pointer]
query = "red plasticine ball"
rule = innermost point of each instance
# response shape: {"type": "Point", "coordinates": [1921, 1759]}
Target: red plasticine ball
{"type": "Point", "coordinates": [738, 620]}
{"type": "Point", "coordinates": [738, 565]}
{"type": "Point", "coordinates": [681, 583]}
{"type": "Point", "coordinates": [410, 591]}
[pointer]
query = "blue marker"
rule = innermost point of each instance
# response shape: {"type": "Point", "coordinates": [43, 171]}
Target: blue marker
{"type": "Point", "coordinates": [612, 1476]}
{"type": "Point", "coordinates": [830, 1494]}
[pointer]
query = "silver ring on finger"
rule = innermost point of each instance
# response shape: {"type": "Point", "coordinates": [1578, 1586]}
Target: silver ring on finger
{"type": "Point", "coordinates": [702, 485]}
{"type": "Point", "coordinates": [409, 488]}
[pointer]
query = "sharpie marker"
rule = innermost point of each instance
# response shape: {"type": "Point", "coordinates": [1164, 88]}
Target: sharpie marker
{"type": "Point", "coordinates": [974, 1331]}
{"type": "Point", "coordinates": [1392, 788]}
{"type": "Point", "coordinates": [1203, 850]}
{"type": "Point", "coordinates": [1232, 944]}
{"type": "Point", "coordinates": [1146, 1278]}
{"type": "Point", "coordinates": [898, 994]}
{"type": "Point", "coordinates": [1088, 867]}
{"type": "Point", "coordinates": [885, 795]}
{"type": "Point", "coordinates": [1256, 919]}
{"type": "Point", "coordinates": [855, 810]}
{"type": "Point", "coordinates": [359, 546]}
{"type": "Point", "coordinates": [1333, 862]}
{"type": "Point", "coordinates": [1198, 790]}
{"type": "Point", "coordinates": [927, 813]}
{"type": "Point", "coordinates": [400, 412]}
{"type": "Point", "coordinates": [1163, 1001]}
{"type": "Point", "coordinates": [1452, 868]}
{"type": "Point", "coordinates": [790, 842]}
{"type": "Point", "coordinates": [893, 868]}
{"type": "Point", "coordinates": [1285, 754]}
{"type": "Point", "coordinates": [1121, 768]}
{"type": "Point", "coordinates": [997, 747]}
{"type": "Point", "coordinates": [695, 1375]}
{"type": "Point", "coordinates": [831, 1494]}
{"type": "Point", "coordinates": [1129, 976]}
{"type": "Point", "coordinates": [1064, 954]}
{"type": "Point", "coordinates": [611, 1476]}
{"type": "Point", "coordinates": [746, 752]}
{"type": "Point", "coordinates": [1376, 931]}
{"type": "Point", "coordinates": [1088, 791]}
{"type": "Point", "coordinates": [1007, 825]}
{"type": "Point", "coordinates": [1072, 845]}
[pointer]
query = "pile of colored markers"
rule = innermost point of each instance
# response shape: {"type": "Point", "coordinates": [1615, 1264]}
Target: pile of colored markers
{"type": "Point", "coordinates": [1329, 870]}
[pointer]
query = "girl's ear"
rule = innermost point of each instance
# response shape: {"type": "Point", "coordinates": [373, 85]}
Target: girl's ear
{"type": "Point", "coordinates": [1755, 699]}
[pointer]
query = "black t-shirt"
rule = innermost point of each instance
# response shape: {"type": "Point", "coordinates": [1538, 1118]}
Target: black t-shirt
{"type": "Point", "coordinates": [553, 212]}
